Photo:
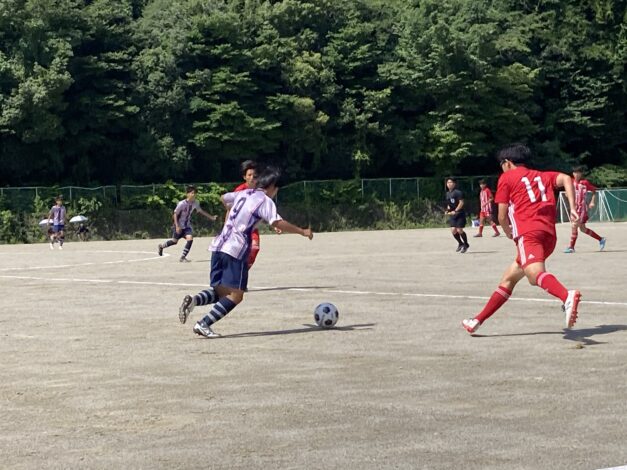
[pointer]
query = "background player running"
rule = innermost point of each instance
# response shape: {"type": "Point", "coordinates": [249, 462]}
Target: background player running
{"type": "Point", "coordinates": [582, 188]}
{"type": "Point", "coordinates": [457, 214]}
{"type": "Point", "coordinates": [485, 201]}
{"type": "Point", "coordinates": [182, 218]}
{"type": "Point", "coordinates": [527, 213]}
{"type": "Point", "coordinates": [57, 215]}
{"type": "Point", "coordinates": [229, 267]}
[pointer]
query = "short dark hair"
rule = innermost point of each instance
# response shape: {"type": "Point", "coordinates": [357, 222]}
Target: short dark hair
{"type": "Point", "coordinates": [59, 198]}
{"type": "Point", "coordinates": [270, 176]}
{"type": "Point", "coordinates": [516, 153]}
{"type": "Point", "coordinates": [579, 169]}
{"type": "Point", "coordinates": [247, 165]}
{"type": "Point", "coordinates": [189, 188]}
{"type": "Point", "coordinates": [451, 178]}
{"type": "Point", "coordinates": [482, 181]}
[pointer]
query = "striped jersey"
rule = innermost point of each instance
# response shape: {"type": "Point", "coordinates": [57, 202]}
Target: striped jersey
{"type": "Point", "coordinates": [247, 208]}
{"type": "Point", "coordinates": [485, 198]}
{"type": "Point", "coordinates": [582, 187]}
{"type": "Point", "coordinates": [58, 215]}
{"type": "Point", "coordinates": [184, 210]}
{"type": "Point", "coordinates": [530, 196]}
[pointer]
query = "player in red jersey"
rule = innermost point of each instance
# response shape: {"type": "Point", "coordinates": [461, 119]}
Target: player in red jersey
{"type": "Point", "coordinates": [486, 199]}
{"type": "Point", "coordinates": [249, 174]}
{"type": "Point", "coordinates": [527, 213]}
{"type": "Point", "coordinates": [582, 188]}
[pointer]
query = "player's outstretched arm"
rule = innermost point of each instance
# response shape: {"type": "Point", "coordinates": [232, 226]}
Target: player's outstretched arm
{"type": "Point", "coordinates": [207, 215]}
{"type": "Point", "coordinates": [285, 226]}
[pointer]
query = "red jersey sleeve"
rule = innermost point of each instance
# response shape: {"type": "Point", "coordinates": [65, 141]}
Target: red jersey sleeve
{"type": "Point", "coordinates": [502, 190]}
{"type": "Point", "coordinates": [589, 186]}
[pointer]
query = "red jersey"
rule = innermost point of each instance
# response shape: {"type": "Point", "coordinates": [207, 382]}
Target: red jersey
{"type": "Point", "coordinates": [531, 199]}
{"type": "Point", "coordinates": [485, 198]}
{"type": "Point", "coordinates": [241, 187]}
{"type": "Point", "coordinates": [581, 188]}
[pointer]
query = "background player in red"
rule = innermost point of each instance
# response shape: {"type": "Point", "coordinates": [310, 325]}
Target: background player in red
{"type": "Point", "coordinates": [486, 200]}
{"type": "Point", "coordinates": [249, 174]}
{"type": "Point", "coordinates": [582, 188]}
{"type": "Point", "coordinates": [527, 213]}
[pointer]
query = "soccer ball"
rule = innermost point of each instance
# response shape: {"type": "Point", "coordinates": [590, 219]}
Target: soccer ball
{"type": "Point", "coordinates": [326, 315]}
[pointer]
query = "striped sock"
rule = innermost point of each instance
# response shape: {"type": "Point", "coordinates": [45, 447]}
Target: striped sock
{"type": "Point", "coordinates": [497, 299]}
{"type": "Point", "coordinates": [188, 246]}
{"type": "Point", "coordinates": [205, 297]}
{"type": "Point", "coordinates": [549, 283]}
{"type": "Point", "coordinates": [219, 311]}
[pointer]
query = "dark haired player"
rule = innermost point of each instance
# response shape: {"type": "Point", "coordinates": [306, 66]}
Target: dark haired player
{"type": "Point", "coordinates": [457, 214]}
{"type": "Point", "coordinates": [527, 214]}
{"type": "Point", "coordinates": [582, 188]}
{"type": "Point", "coordinates": [229, 266]}
{"type": "Point", "coordinates": [182, 218]}
{"type": "Point", "coordinates": [249, 174]}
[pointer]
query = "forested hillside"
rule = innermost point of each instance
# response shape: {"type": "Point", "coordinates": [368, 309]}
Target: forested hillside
{"type": "Point", "coordinates": [120, 91]}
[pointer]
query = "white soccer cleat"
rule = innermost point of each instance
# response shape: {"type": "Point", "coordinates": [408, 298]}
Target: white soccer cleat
{"type": "Point", "coordinates": [471, 325]}
{"type": "Point", "coordinates": [570, 308]}
{"type": "Point", "coordinates": [202, 329]}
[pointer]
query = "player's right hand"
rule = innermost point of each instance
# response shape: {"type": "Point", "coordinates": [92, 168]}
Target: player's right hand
{"type": "Point", "coordinates": [574, 217]}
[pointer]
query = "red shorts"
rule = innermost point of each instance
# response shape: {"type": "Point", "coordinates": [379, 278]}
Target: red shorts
{"type": "Point", "coordinates": [483, 215]}
{"type": "Point", "coordinates": [534, 247]}
{"type": "Point", "coordinates": [255, 236]}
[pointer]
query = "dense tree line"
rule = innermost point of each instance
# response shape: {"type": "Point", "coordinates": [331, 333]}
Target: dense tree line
{"type": "Point", "coordinates": [117, 91]}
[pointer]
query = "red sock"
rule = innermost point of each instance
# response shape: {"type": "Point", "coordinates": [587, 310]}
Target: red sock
{"type": "Point", "coordinates": [497, 299]}
{"type": "Point", "coordinates": [573, 238]}
{"type": "Point", "coordinates": [549, 283]}
{"type": "Point", "coordinates": [252, 256]}
{"type": "Point", "coordinates": [592, 233]}
{"type": "Point", "coordinates": [496, 230]}
{"type": "Point", "coordinates": [480, 229]}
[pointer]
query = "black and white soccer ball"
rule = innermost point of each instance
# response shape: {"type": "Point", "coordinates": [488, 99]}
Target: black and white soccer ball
{"type": "Point", "coordinates": [326, 315]}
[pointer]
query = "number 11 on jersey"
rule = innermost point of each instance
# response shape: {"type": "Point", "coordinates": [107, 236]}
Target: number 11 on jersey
{"type": "Point", "coordinates": [532, 195]}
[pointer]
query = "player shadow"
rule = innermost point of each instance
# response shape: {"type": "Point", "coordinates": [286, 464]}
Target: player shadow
{"type": "Point", "coordinates": [579, 336]}
{"type": "Point", "coordinates": [307, 329]}
{"type": "Point", "coordinates": [471, 252]}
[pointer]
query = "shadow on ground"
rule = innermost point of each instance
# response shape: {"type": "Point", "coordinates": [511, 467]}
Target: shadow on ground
{"type": "Point", "coordinates": [306, 329]}
{"type": "Point", "coordinates": [580, 336]}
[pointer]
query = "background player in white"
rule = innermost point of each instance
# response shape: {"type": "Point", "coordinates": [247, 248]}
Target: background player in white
{"type": "Point", "coordinates": [182, 218]}
{"type": "Point", "coordinates": [57, 215]}
{"type": "Point", "coordinates": [230, 249]}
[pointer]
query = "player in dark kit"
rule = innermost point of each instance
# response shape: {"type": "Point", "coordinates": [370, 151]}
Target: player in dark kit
{"type": "Point", "coordinates": [457, 215]}
{"type": "Point", "coordinates": [527, 214]}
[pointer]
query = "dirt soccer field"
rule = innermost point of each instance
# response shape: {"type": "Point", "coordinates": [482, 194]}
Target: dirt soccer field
{"type": "Point", "coordinates": [97, 372]}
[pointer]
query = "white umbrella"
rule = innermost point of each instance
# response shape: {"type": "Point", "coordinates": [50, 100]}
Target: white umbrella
{"type": "Point", "coordinates": [78, 219]}
{"type": "Point", "coordinates": [44, 222]}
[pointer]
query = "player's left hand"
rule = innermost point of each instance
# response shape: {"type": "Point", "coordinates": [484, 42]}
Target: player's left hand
{"type": "Point", "coordinates": [591, 205]}
{"type": "Point", "coordinates": [574, 217]}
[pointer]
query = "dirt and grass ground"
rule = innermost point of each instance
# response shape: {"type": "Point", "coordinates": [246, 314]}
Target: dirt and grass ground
{"type": "Point", "coordinates": [97, 372]}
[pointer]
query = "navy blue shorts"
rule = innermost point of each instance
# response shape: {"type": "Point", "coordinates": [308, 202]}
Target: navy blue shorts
{"type": "Point", "coordinates": [58, 228]}
{"type": "Point", "coordinates": [183, 234]}
{"type": "Point", "coordinates": [228, 271]}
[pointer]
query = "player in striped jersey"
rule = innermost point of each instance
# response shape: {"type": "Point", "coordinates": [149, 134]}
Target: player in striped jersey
{"type": "Point", "coordinates": [527, 213]}
{"type": "Point", "coordinates": [57, 215]}
{"type": "Point", "coordinates": [230, 249]}
{"type": "Point", "coordinates": [582, 188]}
{"type": "Point", "coordinates": [182, 218]}
{"type": "Point", "coordinates": [485, 200]}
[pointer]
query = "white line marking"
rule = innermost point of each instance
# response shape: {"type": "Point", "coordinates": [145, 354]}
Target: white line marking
{"type": "Point", "coordinates": [56, 266]}
{"type": "Point", "coordinates": [303, 289]}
